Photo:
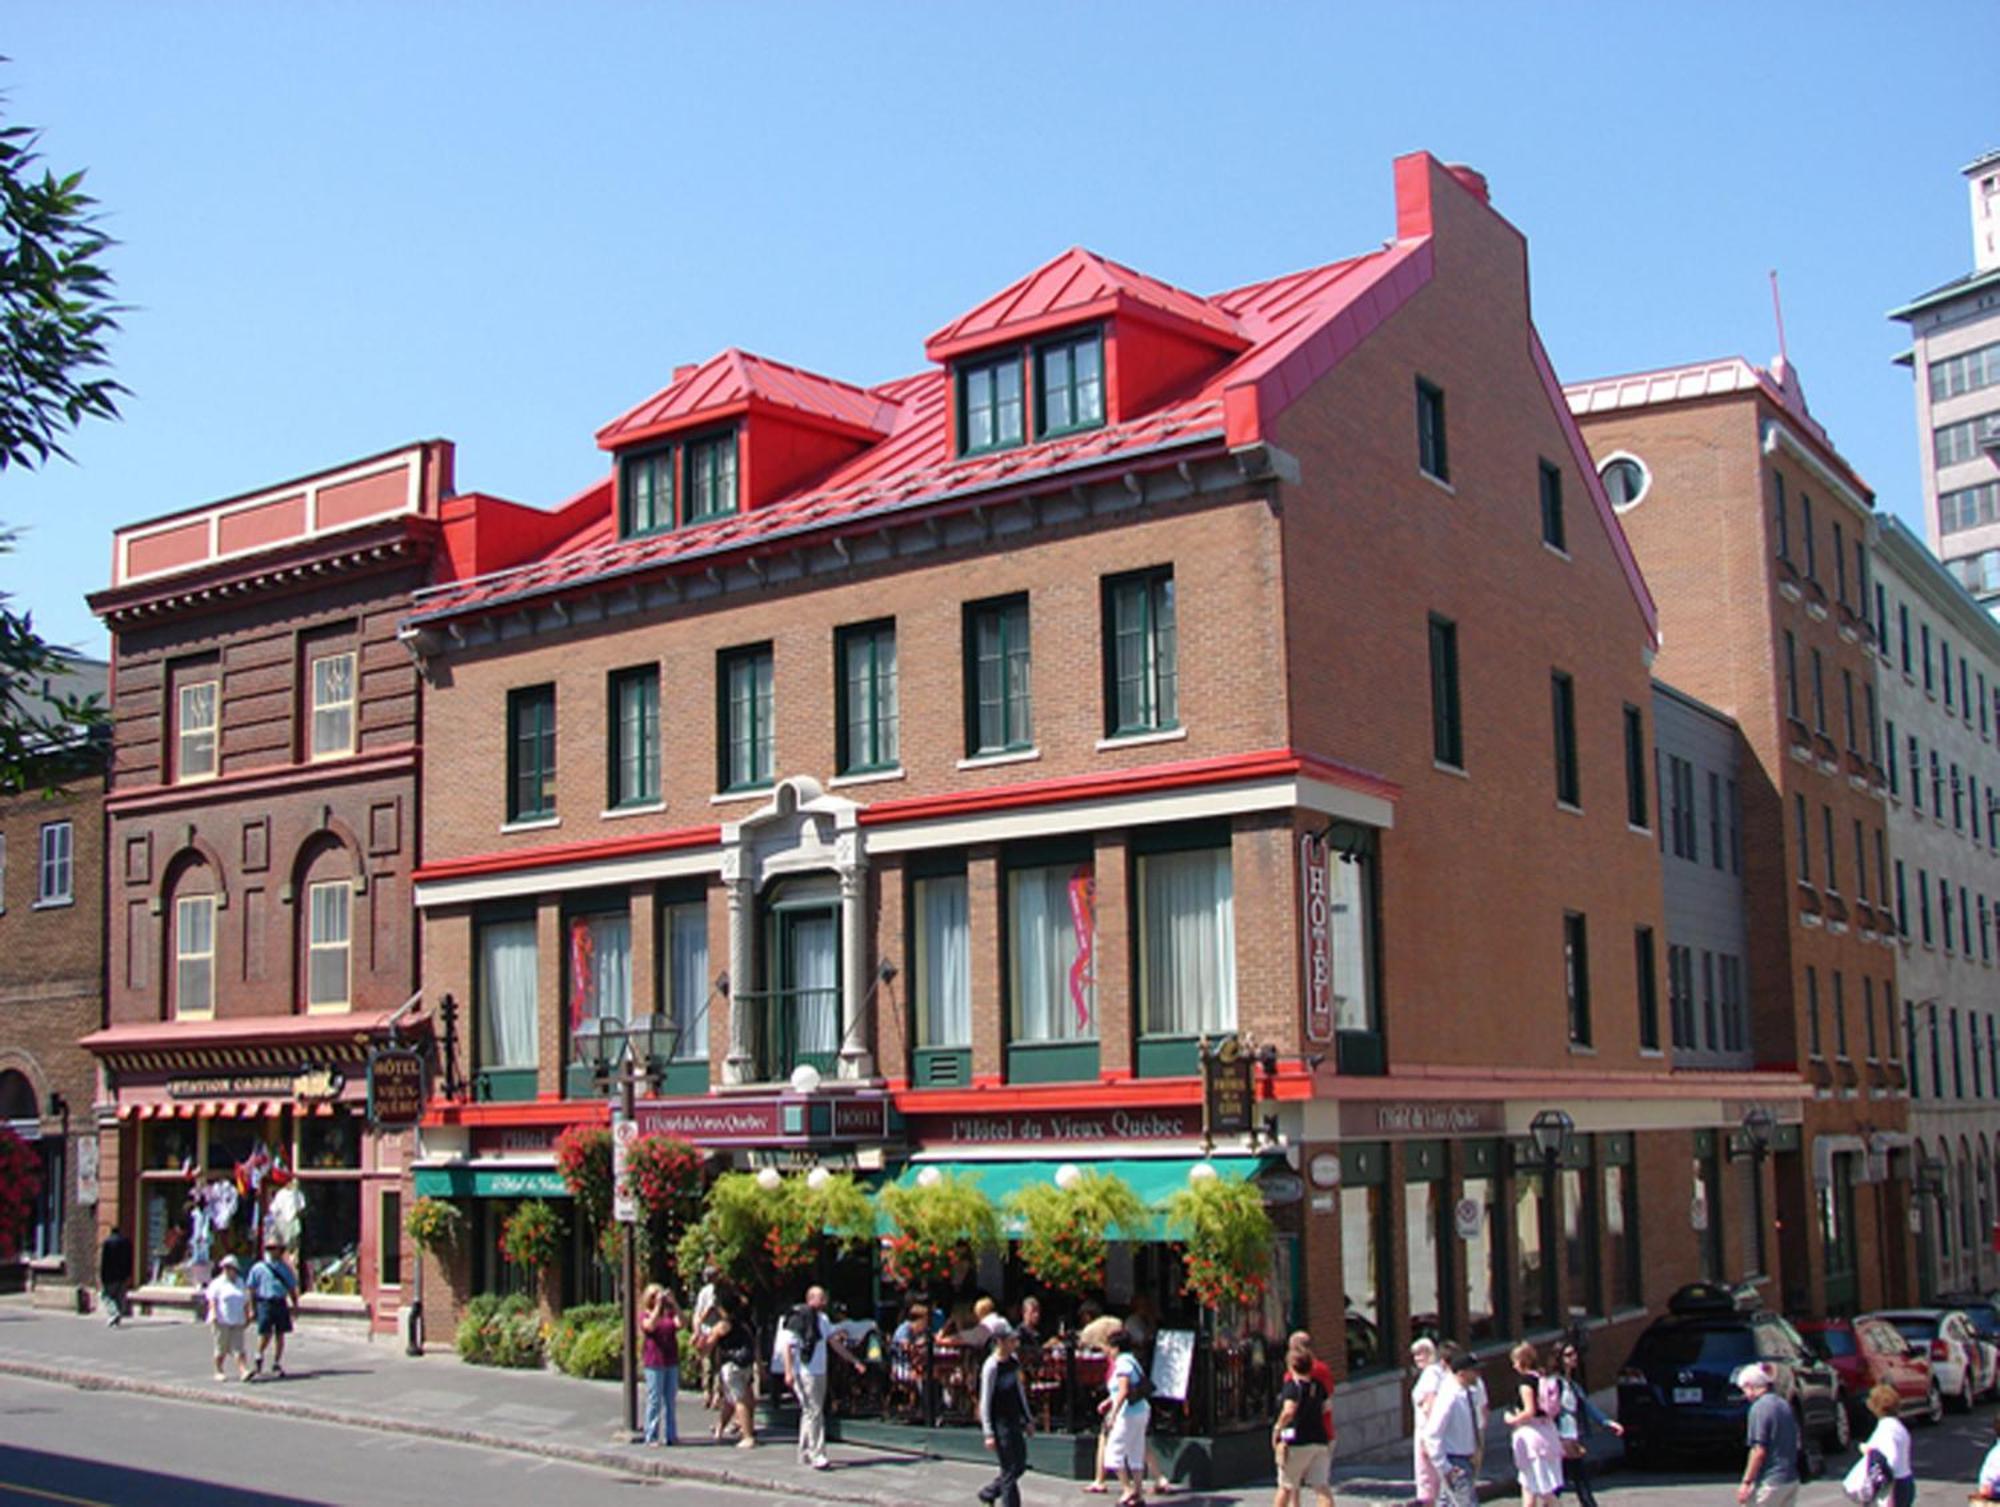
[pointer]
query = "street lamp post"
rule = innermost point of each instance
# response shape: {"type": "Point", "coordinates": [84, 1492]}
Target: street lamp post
{"type": "Point", "coordinates": [618, 1055]}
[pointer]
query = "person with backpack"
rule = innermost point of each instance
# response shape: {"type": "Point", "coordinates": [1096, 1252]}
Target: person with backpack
{"type": "Point", "coordinates": [1299, 1438]}
{"type": "Point", "coordinates": [1537, 1446]}
{"type": "Point", "coordinates": [807, 1338]}
{"type": "Point", "coordinates": [1126, 1415]}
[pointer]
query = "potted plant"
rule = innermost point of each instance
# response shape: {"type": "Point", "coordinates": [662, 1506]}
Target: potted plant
{"type": "Point", "coordinates": [1066, 1226]}
{"type": "Point", "coordinates": [434, 1225]}
{"type": "Point", "coordinates": [940, 1221]}
{"type": "Point", "coordinates": [532, 1238]}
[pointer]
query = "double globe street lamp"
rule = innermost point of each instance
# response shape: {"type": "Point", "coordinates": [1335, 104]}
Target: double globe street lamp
{"type": "Point", "coordinates": [618, 1054]}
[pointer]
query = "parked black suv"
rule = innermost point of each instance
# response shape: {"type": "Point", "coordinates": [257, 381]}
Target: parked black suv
{"type": "Point", "coordinates": [1678, 1394]}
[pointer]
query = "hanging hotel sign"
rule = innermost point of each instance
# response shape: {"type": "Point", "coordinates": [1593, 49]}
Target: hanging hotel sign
{"type": "Point", "coordinates": [1226, 1092]}
{"type": "Point", "coordinates": [395, 1087]}
{"type": "Point", "coordinates": [310, 1084]}
{"type": "Point", "coordinates": [1316, 901]}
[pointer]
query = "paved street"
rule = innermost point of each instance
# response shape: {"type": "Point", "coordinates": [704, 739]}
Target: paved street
{"type": "Point", "coordinates": [64, 1445]}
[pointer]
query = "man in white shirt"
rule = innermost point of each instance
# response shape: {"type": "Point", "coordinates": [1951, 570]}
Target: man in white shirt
{"type": "Point", "coordinates": [1450, 1433]}
{"type": "Point", "coordinates": [806, 1336]}
{"type": "Point", "coordinates": [228, 1315]}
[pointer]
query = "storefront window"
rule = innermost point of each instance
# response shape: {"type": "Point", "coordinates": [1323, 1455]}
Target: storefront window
{"type": "Point", "coordinates": [167, 1145]}
{"type": "Point", "coordinates": [1364, 1254]}
{"type": "Point", "coordinates": [1750, 1178]}
{"type": "Point", "coordinates": [389, 1238]}
{"type": "Point", "coordinates": [1534, 1262]}
{"type": "Point", "coordinates": [1426, 1232]}
{"type": "Point", "coordinates": [330, 1143]}
{"type": "Point", "coordinates": [1621, 1223]}
{"type": "Point", "coordinates": [1708, 1204]}
{"type": "Point", "coordinates": [1479, 1253]}
{"type": "Point", "coordinates": [1051, 924]}
{"type": "Point", "coordinates": [1580, 1227]}
{"type": "Point", "coordinates": [45, 1238]}
{"type": "Point", "coordinates": [330, 1235]}
{"type": "Point", "coordinates": [234, 1141]}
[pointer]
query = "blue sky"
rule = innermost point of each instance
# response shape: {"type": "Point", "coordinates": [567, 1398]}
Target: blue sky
{"type": "Point", "coordinates": [347, 226]}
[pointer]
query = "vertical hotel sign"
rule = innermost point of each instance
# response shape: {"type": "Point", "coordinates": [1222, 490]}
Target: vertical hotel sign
{"type": "Point", "coordinates": [1316, 918]}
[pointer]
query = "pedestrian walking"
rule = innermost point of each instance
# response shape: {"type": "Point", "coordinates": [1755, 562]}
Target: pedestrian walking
{"type": "Point", "coordinates": [1537, 1446]}
{"type": "Point", "coordinates": [274, 1288]}
{"type": "Point", "coordinates": [1771, 1474]}
{"type": "Point", "coordinates": [660, 1354]}
{"type": "Point", "coordinates": [228, 1303]}
{"type": "Point", "coordinates": [1126, 1415]}
{"type": "Point", "coordinates": [807, 1338]}
{"type": "Point", "coordinates": [114, 1274]}
{"type": "Point", "coordinates": [1430, 1376]}
{"type": "Point", "coordinates": [731, 1342]}
{"type": "Point", "coordinates": [1890, 1443]}
{"type": "Point", "coordinates": [1299, 1437]}
{"type": "Point", "coordinates": [701, 1316]}
{"type": "Point", "coordinates": [1003, 1415]}
{"type": "Point", "coordinates": [1577, 1418]}
{"type": "Point", "coordinates": [1451, 1432]}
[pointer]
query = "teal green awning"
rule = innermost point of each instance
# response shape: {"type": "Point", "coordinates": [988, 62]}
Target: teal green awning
{"type": "Point", "coordinates": [1154, 1179]}
{"type": "Point", "coordinates": [490, 1182]}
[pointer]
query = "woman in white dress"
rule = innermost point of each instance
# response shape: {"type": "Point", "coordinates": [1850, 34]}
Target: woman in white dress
{"type": "Point", "coordinates": [1538, 1451]}
{"type": "Point", "coordinates": [1125, 1418]}
{"type": "Point", "coordinates": [1430, 1376]}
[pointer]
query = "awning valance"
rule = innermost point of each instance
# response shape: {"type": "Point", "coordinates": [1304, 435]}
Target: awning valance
{"type": "Point", "coordinates": [471, 1181]}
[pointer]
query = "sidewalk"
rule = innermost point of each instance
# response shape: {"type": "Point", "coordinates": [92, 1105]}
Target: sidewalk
{"type": "Point", "coordinates": [340, 1378]}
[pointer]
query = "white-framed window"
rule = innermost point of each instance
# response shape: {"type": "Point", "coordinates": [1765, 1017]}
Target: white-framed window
{"type": "Point", "coordinates": [194, 956]}
{"type": "Point", "coordinates": [1187, 943]}
{"type": "Point", "coordinates": [54, 876]}
{"type": "Point", "coordinates": [194, 731]}
{"type": "Point", "coordinates": [328, 913]}
{"type": "Point", "coordinates": [332, 706]}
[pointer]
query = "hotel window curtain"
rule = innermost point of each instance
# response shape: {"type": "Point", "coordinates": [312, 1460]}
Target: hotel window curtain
{"type": "Point", "coordinates": [507, 969]}
{"type": "Point", "coordinates": [944, 963]}
{"type": "Point", "coordinates": [610, 967]}
{"type": "Point", "coordinates": [1044, 928]}
{"type": "Point", "coordinates": [687, 944]}
{"type": "Point", "coordinates": [816, 980]}
{"type": "Point", "coordinates": [1189, 961]}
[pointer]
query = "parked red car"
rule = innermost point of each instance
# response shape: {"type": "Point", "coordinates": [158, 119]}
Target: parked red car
{"type": "Point", "coordinates": [1867, 1351]}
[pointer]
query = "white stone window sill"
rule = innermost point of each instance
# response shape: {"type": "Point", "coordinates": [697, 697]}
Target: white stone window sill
{"type": "Point", "coordinates": [1582, 1049]}
{"type": "Point", "coordinates": [1639, 831]}
{"type": "Point", "coordinates": [869, 777]}
{"type": "Point", "coordinates": [1570, 809]}
{"type": "Point", "coordinates": [1012, 756]}
{"type": "Point", "coordinates": [1438, 481]}
{"type": "Point", "coordinates": [1651, 1052]}
{"type": "Point", "coordinates": [1140, 740]}
{"type": "Point", "coordinates": [730, 797]}
{"type": "Point", "coordinates": [615, 813]}
{"type": "Point", "coordinates": [1456, 771]}
{"type": "Point", "coordinates": [533, 824]}
{"type": "Point", "coordinates": [59, 903]}
{"type": "Point", "coordinates": [1556, 549]}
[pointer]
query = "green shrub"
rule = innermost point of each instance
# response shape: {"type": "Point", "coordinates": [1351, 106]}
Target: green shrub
{"type": "Point", "coordinates": [499, 1331]}
{"type": "Point", "coordinates": [571, 1323]}
{"type": "Point", "coordinates": [597, 1354]}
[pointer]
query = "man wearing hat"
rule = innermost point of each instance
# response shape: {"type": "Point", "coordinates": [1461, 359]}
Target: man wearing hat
{"type": "Point", "coordinates": [274, 1286]}
{"type": "Point", "coordinates": [1003, 1413]}
{"type": "Point", "coordinates": [1771, 1474]}
{"type": "Point", "coordinates": [228, 1315]}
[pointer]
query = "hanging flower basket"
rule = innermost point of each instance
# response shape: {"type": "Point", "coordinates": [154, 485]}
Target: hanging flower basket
{"type": "Point", "coordinates": [765, 1235]}
{"type": "Point", "coordinates": [938, 1225]}
{"type": "Point", "coordinates": [583, 1157]}
{"type": "Point", "coordinates": [532, 1236]}
{"type": "Point", "coordinates": [1066, 1226]}
{"type": "Point", "coordinates": [434, 1224]}
{"type": "Point", "coordinates": [1225, 1233]}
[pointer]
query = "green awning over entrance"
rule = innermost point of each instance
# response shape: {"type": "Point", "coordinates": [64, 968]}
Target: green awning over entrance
{"type": "Point", "coordinates": [490, 1182]}
{"type": "Point", "coordinates": [1154, 1179]}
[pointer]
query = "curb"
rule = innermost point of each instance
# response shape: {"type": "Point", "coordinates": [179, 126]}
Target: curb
{"type": "Point", "coordinates": [639, 1464]}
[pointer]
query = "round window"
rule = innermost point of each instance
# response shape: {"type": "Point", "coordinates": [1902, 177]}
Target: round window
{"type": "Point", "coordinates": [1625, 481]}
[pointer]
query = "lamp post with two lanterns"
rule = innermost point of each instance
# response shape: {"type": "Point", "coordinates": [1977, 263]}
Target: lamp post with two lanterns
{"type": "Point", "coordinates": [619, 1054]}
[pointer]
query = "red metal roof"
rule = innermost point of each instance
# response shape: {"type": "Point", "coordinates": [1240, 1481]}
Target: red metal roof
{"type": "Point", "coordinates": [248, 1030]}
{"type": "Point", "coordinates": [1080, 284]}
{"type": "Point", "coordinates": [731, 381]}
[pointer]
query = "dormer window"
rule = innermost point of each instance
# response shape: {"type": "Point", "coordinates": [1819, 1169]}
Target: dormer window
{"type": "Point", "coordinates": [1069, 385]}
{"type": "Point", "coordinates": [647, 503]}
{"type": "Point", "coordinates": [684, 483]}
{"type": "Point", "coordinates": [989, 405]}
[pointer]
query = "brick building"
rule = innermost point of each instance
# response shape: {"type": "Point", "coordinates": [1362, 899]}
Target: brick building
{"type": "Point", "coordinates": [1753, 533]}
{"type": "Point", "coordinates": [52, 979]}
{"type": "Point", "coordinates": [941, 760]}
{"type": "Point", "coordinates": [262, 826]}
{"type": "Point", "coordinates": [1939, 679]}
